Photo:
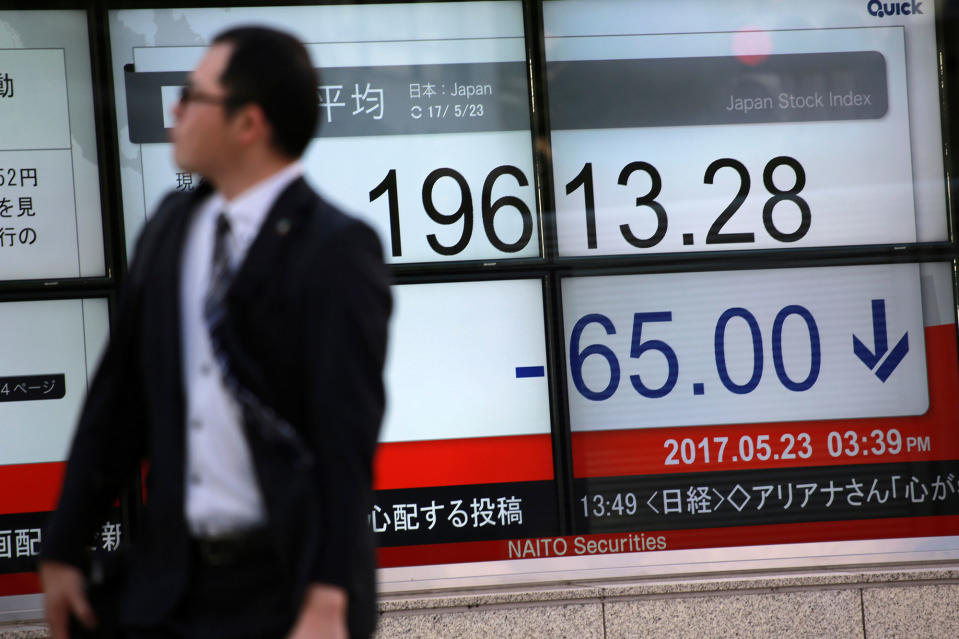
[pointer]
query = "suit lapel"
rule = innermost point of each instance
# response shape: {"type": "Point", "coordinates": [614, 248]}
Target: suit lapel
{"type": "Point", "coordinates": [169, 258]}
{"type": "Point", "coordinates": [277, 229]}
{"type": "Point", "coordinates": [161, 315]}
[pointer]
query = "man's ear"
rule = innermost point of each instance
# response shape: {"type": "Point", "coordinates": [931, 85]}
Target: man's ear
{"type": "Point", "coordinates": [250, 125]}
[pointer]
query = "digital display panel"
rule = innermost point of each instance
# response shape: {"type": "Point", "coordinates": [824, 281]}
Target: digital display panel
{"type": "Point", "coordinates": [707, 409]}
{"type": "Point", "coordinates": [50, 219]}
{"type": "Point", "coordinates": [795, 402]}
{"type": "Point", "coordinates": [424, 118]}
{"type": "Point", "coordinates": [44, 377]}
{"type": "Point", "coordinates": [770, 345]}
{"type": "Point", "coordinates": [465, 457]}
{"type": "Point", "coordinates": [704, 126]}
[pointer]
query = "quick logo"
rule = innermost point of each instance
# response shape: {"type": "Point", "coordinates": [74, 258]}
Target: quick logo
{"type": "Point", "coordinates": [883, 9]}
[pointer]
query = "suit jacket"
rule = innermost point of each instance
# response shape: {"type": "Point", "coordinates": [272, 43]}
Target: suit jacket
{"type": "Point", "coordinates": [308, 312]}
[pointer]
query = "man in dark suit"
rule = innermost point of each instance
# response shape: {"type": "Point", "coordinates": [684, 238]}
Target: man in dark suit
{"type": "Point", "coordinates": [245, 369]}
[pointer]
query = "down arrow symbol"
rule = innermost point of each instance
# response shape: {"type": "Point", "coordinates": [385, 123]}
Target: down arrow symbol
{"type": "Point", "coordinates": [872, 358]}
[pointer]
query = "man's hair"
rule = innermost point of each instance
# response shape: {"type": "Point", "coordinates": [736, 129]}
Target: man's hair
{"type": "Point", "coordinates": [273, 69]}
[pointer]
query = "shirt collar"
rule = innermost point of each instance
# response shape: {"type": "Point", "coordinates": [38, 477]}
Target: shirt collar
{"type": "Point", "coordinates": [247, 210]}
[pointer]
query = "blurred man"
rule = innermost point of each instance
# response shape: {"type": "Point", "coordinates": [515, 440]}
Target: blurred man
{"type": "Point", "coordinates": [245, 368]}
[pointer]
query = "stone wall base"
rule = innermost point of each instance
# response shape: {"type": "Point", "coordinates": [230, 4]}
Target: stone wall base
{"type": "Point", "coordinates": [870, 603]}
{"type": "Point", "coordinates": [907, 602]}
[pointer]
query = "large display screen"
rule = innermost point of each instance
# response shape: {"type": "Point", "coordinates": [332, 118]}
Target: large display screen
{"type": "Point", "coordinates": [466, 454]}
{"type": "Point", "coordinates": [765, 406]}
{"type": "Point", "coordinates": [703, 126]}
{"type": "Point", "coordinates": [50, 220]}
{"type": "Point", "coordinates": [424, 128]}
{"type": "Point", "coordinates": [705, 409]}
{"type": "Point", "coordinates": [424, 133]}
{"type": "Point", "coordinates": [44, 376]}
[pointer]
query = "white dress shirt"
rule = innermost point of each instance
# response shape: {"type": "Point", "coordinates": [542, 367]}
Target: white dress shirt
{"type": "Point", "coordinates": [221, 493]}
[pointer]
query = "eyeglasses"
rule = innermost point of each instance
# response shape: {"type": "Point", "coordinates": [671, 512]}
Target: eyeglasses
{"type": "Point", "coordinates": [189, 94]}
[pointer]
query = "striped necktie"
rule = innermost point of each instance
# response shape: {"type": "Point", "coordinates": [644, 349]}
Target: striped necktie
{"type": "Point", "coordinates": [220, 274]}
{"type": "Point", "coordinates": [259, 417]}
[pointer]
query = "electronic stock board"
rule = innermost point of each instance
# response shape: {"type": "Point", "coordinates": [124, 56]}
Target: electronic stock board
{"type": "Point", "coordinates": [709, 406]}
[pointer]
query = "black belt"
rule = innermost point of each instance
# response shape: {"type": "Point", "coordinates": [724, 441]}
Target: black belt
{"type": "Point", "coordinates": [231, 548]}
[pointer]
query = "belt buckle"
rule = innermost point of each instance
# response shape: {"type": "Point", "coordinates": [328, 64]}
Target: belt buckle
{"type": "Point", "coordinates": [219, 551]}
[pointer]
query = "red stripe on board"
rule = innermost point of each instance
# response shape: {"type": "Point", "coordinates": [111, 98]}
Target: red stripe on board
{"type": "Point", "coordinates": [456, 462]}
{"type": "Point", "coordinates": [19, 583]}
{"type": "Point", "coordinates": [578, 545]}
{"type": "Point", "coordinates": [30, 488]}
{"type": "Point", "coordinates": [449, 462]}
{"type": "Point", "coordinates": [454, 553]}
{"type": "Point", "coordinates": [614, 453]}
{"type": "Point", "coordinates": [825, 531]}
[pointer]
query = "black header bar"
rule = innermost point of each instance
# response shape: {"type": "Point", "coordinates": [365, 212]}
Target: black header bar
{"type": "Point", "coordinates": [365, 101]}
{"type": "Point", "coordinates": [803, 87]}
